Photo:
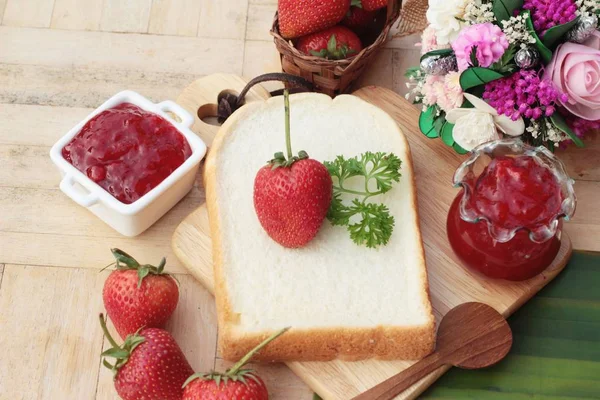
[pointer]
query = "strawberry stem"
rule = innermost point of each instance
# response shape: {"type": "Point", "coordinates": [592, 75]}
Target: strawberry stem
{"type": "Point", "coordinates": [288, 140]}
{"type": "Point", "coordinates": [238, 366]}
{"type": "Point", "coordinates": [106, 332]}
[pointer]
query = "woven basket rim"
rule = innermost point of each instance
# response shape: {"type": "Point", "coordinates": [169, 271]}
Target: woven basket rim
{"type": "Point", "coordinates": [285, 46]}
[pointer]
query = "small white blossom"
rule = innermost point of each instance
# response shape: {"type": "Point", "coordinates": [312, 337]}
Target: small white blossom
{"type": "Point", "coordinates": [515, 29]}
{"type": "Point", "coordinates": [587, 7]}
{"type": "Point", "coordinates": [477, 12]}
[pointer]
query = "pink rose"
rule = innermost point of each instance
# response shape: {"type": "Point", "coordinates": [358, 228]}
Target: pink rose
{"type": "Point", "coordinates": [575, 70]}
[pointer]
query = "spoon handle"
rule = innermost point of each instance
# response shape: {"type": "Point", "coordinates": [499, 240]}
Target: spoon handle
{"type": "Point", "coordinates": [395, 385]}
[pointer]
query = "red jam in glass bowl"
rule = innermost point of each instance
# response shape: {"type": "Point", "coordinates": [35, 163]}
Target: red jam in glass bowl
{"type": "Point", "coordinates": [506, 222]}
{"type": "Point", "coordinates": [127, 151]}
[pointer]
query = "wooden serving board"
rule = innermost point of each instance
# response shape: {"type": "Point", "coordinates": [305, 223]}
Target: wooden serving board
{"type": "Point", "coordinates": [450, 284]}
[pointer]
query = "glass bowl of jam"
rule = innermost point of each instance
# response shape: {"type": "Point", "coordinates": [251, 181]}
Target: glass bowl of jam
{"type": "Point", "coordinates": [129, 162]}
{"type": "Point", "coordinates": [506, 222]}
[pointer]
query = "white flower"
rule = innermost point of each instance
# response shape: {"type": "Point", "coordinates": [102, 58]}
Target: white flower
{"type": "Point", "coordinates": [445, 17]}
{"type": "Point", "coordinates": [474, 126]}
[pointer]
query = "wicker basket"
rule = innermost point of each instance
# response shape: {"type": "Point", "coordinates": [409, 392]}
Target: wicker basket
{"type": "Point", "coordinates": [334, 77]}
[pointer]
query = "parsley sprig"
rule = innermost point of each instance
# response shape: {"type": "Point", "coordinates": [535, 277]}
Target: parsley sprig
{"type": "Point", "coordinates": [368, 223]}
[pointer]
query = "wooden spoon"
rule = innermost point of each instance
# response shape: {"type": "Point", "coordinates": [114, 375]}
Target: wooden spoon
{"type": "Point", "coordinates": [471, 335]}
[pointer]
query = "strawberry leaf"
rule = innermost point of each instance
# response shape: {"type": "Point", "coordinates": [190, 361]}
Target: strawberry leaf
{"type": "Point", "coordinates": [332, 44]}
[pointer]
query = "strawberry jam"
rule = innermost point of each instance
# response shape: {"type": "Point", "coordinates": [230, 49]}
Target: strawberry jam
{"type": "Point", "coordinates": [128, 151]}
{"type": "Point", "coordinates": [505, 222]}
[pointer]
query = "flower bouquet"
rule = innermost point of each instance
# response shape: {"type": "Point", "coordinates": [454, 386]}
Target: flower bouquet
{"type": "Point", "coordinates": [490, 68]}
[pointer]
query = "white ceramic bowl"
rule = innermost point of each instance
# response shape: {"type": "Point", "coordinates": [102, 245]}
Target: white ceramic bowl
{"type": "Point", "coordinates": [132, 219]}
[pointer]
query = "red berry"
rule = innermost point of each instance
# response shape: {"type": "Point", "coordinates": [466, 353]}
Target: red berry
{"type": "Point", "coordinates": [200, 389]}
{"type": "Point", "coordinates": [359, 19]}
{"type": "Point", "coordinates": [334, 43]}
{"type": "Point", "coordinates": [372, 5]}
{"type": "Point", "coordinates": [237, 383]}
{"type": "Point", "coordinates": [149, 366]}
{"type": "Point", "coordinates": [132, 305]}
{"type": "Point", "coordinates": [297, 18]}
{"type": "Point", "coordinates": [292, 202]}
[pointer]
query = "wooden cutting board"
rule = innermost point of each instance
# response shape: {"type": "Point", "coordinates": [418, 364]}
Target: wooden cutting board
{"type": "Point", "coordinates": [449, 282]}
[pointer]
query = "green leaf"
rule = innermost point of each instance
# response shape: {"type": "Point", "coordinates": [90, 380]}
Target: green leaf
{"type": "Point", "coordinates": [504, 9]}
{"type": "Point", "coordinates": [142, 273]}
{"type": "Point", "coordinates": [116, 353]}
{"type": "Point", "coordinates": [544, 51]}
{"type": "Point", "coordinates": [316, 397]}
{"type": "Point", "coordinates": [559, 122]}
{"type": "Point", "coordinates": [440, 52]}
{"type": "Point", "coordinates": [505, 65]}
{"type": "Point", "coordinates": [369, 224]}
{"type": "Point", "coordinates": [375, 227]}
{"type": "Point", "coordinates": [332, 44]}
{"type": "Point", "coordinates": [556, 347]}
{"type": "Point", "coordinates": [412, 71]}
{"type": "Point", "coordinates": [459, 149]}
{"type": "Point", "coordinates": [426, 122]}
{"type": "Point", "coordinates": [473, 77]}
{"type": "Point", "coordinates": [474, 60]}
{"type": "Point", "coordinates": [553, 36]}
{"type": "Point", "coordinates": [446, 135]}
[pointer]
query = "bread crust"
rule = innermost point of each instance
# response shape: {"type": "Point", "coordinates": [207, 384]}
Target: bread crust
{"type": "Point", "coordinates": [322, 344]}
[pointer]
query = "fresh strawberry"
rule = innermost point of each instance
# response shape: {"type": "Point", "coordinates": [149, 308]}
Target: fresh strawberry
{"type": "Point", "coordinates": [298, 18]}
{"type": "Point", "coordinates": [138, 296]}
{"type": "Point", "coordinates": [291, 197]}
{"type": "Point", "coordinates": [359, 19]}
{"type": "Point", "coordinates": [149, 365]}
{"type": "Point", "coordinates": [334, 43]}
{"type": "Point", "coordinates": [372, 5]}
{"type": "Point", "coordinates": [236, 383]}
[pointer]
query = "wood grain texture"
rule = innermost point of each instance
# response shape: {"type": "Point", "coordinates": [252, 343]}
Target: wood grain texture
{"type": "Point", "coordinates": [260, 19]}
{"type": "Point", "coordinates": [2, 8]}
{"type": "Point", "coordinates": [29, 13]}
{"type": "Point", "coordinates": [56, 339]}
{"type": "Point", "coordinates": [471, 335]}
{"type": "Point", "coordinates": [174, 17]}
{"type": "Point", "coordinates": [83, 86]}
{"type": "Point", "coordinates": [223, 19]}
{"type": "Point", "coordinates": [450, 284]}
{"type": "Point", "coordinates": [108, 51]}
{"type": "Point", "coordinates": [125, 16]}
{"type": "Point", "coordinates": [77, 14]}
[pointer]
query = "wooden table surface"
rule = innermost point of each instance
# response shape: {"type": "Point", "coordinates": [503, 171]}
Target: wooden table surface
{"type": "Point", "coordinates": [59, 59]}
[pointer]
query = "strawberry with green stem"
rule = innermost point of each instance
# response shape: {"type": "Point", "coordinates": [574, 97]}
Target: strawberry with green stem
{"type": "Point", "coordinates": [334, 43]}
{"type": "Point", "coordinates": [292, 196]}
{"type": "Point", "coordinates": [137, 295]}
{"type": "Point", "coordinates": [149, 365]}
{"type": "Point", "coordinates": [237, 383]}
{"type": "Point", "coordinates": [358, 19]}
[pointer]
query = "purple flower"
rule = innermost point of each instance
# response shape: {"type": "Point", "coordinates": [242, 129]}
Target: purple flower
{"type": "Point", "coordinates": [523, 93]}
{"type": "Point", "coordinates": [488, 40]}
{"type": "Point", "coordinates": [548, 13]}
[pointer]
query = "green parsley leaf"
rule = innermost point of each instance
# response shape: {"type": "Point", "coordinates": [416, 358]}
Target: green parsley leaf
{"type": "Point", "coordinates": [369, 224]}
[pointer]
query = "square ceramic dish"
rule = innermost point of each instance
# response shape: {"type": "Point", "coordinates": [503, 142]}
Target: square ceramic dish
{"type": "Point", "coordinates": [132, 219]}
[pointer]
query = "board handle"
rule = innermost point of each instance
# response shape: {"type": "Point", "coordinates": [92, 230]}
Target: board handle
{"type": "Point", "coordinates": [228, 101]}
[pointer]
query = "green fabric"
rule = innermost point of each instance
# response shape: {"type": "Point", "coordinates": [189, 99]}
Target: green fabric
{"type": "Point", "coordinates": [556, 348]}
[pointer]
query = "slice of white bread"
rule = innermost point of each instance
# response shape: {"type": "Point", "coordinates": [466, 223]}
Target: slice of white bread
{"type": "Point", "coordinates": [341, 300]}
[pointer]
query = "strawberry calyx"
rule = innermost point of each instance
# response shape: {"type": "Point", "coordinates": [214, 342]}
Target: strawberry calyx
{"type": "Point", "coordinates": [121, 352]}
{"type": "Point", "coordinates": [356, 3]}
{"type": "Point", "coordinates": [237, 372]}
{"type": "Point", "coordinates": [332, 52]}
{"type": "Point", "coordinates": [279, 159]}
{"type": "Point", "coordinates": [125, 262]}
